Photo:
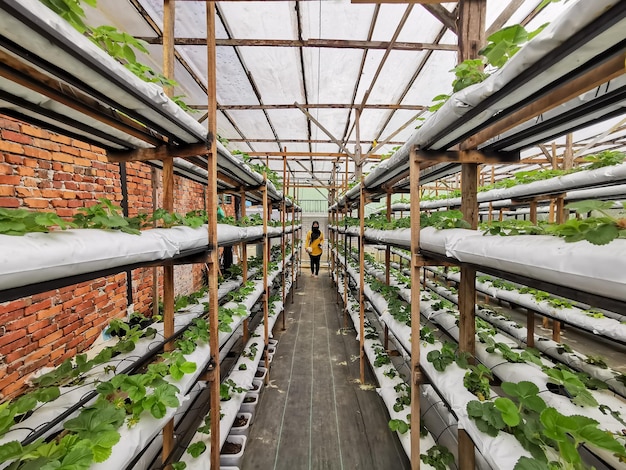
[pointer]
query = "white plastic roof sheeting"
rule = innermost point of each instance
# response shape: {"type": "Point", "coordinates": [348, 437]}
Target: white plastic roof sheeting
{"type": "Point", "coordinates": [343, 76]}
{"type": "Point", "coordinates": [310, 75]}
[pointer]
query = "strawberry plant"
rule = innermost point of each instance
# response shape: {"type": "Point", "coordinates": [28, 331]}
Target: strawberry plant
{"type": "Point", "coordinates": [104, 215]}
{"type": "Point", "coordinates": [399, 425]}
{"type": "Point", "coordinates": [439, 457]}
{"type": "Point", "coordinates": [21, 221]}
{"type": "Point", "coordinates": [477, 380]}
{"type": "Point", "coordinates": [511, 227]}
{"type": "Point", "coordinates": [596, 230]}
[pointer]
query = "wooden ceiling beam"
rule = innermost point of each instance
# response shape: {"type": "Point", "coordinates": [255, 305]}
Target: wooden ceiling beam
{"type": "Point", "coordinates": [443, 15]}
{"type": "Point", "coordinates": [303, 154]}
{"type": "Point", "coordinates": [160, 152]}
{"type": "Point", "coordinates": [250, 107]}
{"type": "Point", "coordinates": [317, 43]}
{"type": "Point", "coordinates": [505, 16]}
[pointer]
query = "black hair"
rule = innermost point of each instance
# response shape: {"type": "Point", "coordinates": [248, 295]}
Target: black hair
{"type": "Point", "coordinates": [315, 231]}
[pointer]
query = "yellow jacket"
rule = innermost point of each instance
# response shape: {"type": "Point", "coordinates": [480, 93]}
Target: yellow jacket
{"type": "Point", "coordinates": [316, 249]}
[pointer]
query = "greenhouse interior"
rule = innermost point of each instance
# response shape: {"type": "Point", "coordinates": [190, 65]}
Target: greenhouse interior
{"type": "Point", "coordinates": [312, 234]}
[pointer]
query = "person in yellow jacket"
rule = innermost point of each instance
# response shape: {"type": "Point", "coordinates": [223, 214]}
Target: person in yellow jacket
{"type": "Point", "coordinates": [313, 245]}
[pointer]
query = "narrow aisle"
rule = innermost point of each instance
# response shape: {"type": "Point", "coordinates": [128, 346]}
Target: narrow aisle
{"type": "Point", "coordinates": [314, 414]}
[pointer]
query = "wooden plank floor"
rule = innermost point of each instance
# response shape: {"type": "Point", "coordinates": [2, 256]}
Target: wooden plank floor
{"type": "Point", "coordinates": [314, 414]}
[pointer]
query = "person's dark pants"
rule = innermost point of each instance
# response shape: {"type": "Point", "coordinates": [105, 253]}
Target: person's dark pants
{"type": "Point", "coordinates": [315, 264]}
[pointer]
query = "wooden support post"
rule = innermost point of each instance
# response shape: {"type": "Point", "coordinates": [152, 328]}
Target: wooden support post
{"type": "Point", "coordinates": [293, 251]}
{"type": "Point", "coordinates": [168, 204]}
{"type": "Point", "coordinates": [346, 276]}
{"type": "Point", "coordinates": [266, 294]}
{"type": "Point", "coordinates": [467, 298]}
{"type": "Point", "coordinates": [362, 283]}
{"type": "Point", "coordinates": [244, 264]}
{"type": "Point", "coordinates": [416, 375]}
{"type": "Point", "coordinates": [283, 237]}
{"type": "Point", "coordinates": [533, 212]}
{"type": "Point", "coordinates": [214, 377]}
{"type": "Point", "coordinates": [388, 248]}
{"type": "Point", "coordinates": [530, 328]}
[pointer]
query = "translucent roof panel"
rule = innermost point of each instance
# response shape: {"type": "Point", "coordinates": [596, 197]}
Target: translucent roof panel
{"type": "Point", "coordinates": [293, 74]}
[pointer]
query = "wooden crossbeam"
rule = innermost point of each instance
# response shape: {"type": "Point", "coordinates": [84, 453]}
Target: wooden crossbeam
{"type": "Point", "coordinates": [466, 156]}
{"type": "Point", "coordinates": [162, 152]}
{"type": "Point", "coordinates": [322, 43]}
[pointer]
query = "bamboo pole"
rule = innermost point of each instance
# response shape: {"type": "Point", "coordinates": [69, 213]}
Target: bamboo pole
{"type": "Point", "coordinates": [416, 375]}
{"type": "Point", "coordinates": [214, 377]}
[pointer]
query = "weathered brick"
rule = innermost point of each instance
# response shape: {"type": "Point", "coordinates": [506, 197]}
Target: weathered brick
{"type": "Point", "coordinates": [39, 153]}
{"type": "Point", "coordinates": [68, 149]}
{"type": "Point", "coordinates": [25, 171]}
{"type": "Point", "coordinates": [10, 202]}
{"type": "Point", "coordinates": [7, 384]}
{"type": "Point", "coordinates": [36, 203]}
{"type": "Point", "coordinates": [17, 355]}
{"type": "Point", "coordinates": [62, 157]}
{"type": "Point", "coordinates": [51, 193]}
{"type": "Point", "coordinates": [11, 336]}
{"type": "Point", "coordinates": [7, 191]}
{"type": "Point", "coordinates": [40, 327]}
{"type": "Point", "coordinates": [10, 179]}
{"type": "Point", "coordinates": [14, 305]}
{"type": "Point", "coordinates": [31, 366]}
{"type": "Point", "coordinates": [14, 350]}
{"type": "Point", "coordinates": [34, 131]}
{"type": "Point", "coordinates": [27, 192]}
{"type": "Point", "coordinates": [50, 338]}
{"type": "Point", "coordinates": [42, 304]}
{"type": "Point", "coordinates": [61, 139]}
{"type": "Point", "coordinates": [12, 147]}
{"type": "Point", "coordinates": [52, 311]}
{"type": "Point", "coordinates": [6, 169]}
{"type": "Point", "coordinates": [14, 159]}
{"type": "Point", "coordinates": [46, 144]}
{"type": "Point", "coordinates": [19, 324]}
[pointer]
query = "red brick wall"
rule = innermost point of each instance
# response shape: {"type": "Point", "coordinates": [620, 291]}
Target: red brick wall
{"type": "Point", "coordinates": [43, 171]}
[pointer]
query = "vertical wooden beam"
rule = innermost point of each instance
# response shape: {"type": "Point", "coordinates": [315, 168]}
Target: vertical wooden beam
{"type": "Point", "coordinates": [293, 250]}
{"type": "Point", "coordinates": [362, 280]}
{"type": "Point", "coordinates": [266, 291]}
{"type": "Point", "coordinates": [467, 297]}
{"type": "Point", "coordinates": [568, 153]}
{"type": "Point", "coordinates": [214, 379]}
{"type": "Point", "coordinates": [472, 14]}
{"type": "Point", "coordinates": [346, 251]}
{"type": "Point", "coordinates": [244, 264]}
{"type": "Point", "coordinates": [155, 270]}
{"type": "Point", "coordinates": [168, 204]}
{"type": "Point", "coordinates": [387, 247]}
{"type": "Point", "coordinates": [416, 375]}
{"type": "Point", "coordinates": [283, 237]}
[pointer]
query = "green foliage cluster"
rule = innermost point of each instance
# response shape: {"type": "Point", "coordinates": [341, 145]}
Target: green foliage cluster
{"type": "Point", "coordinates": [261, 168]}
{"type": "Point", "coordinates": [597, 230]}
{"type": "Point", "coordinates": [103, 215]}
{"type": "Point", "coordinates": [228, 388]}
{"type": "Point", "coordinates": [524, 414]}
{"type": "Point", "coordinates": [501, 46]}
{"type": "Point", "coordinates": [438, 457]}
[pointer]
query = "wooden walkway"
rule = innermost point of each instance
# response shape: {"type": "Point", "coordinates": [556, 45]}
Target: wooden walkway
{"type": "Point", "coordinates": [314, 414]}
